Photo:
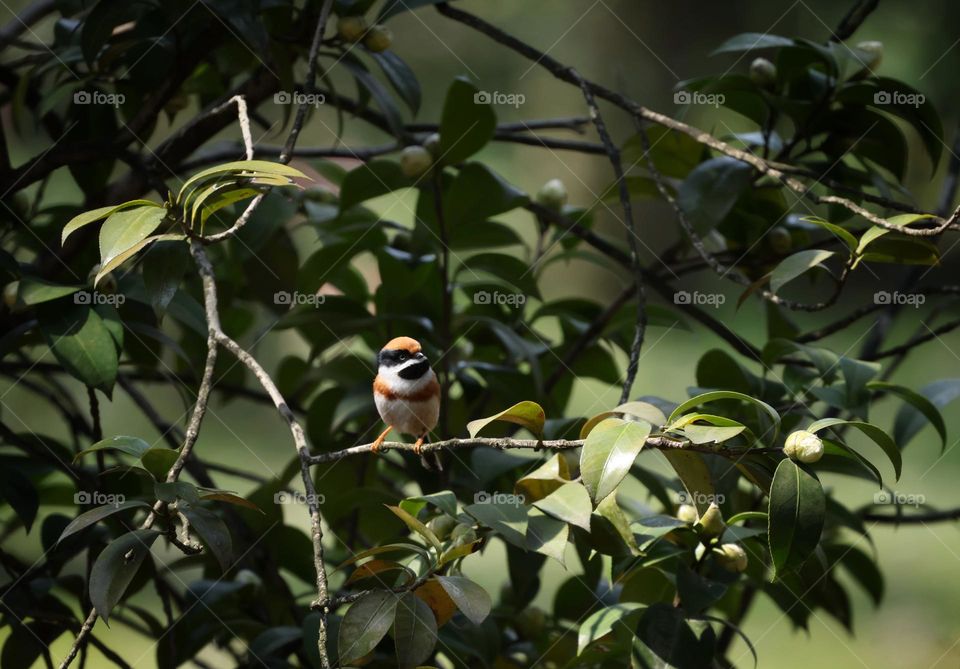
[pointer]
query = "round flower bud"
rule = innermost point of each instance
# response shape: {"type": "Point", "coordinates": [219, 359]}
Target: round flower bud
{"type": "Point", "coordinates": [352, 28]}
{"type": "Point", "coordinates": [803, 446]}
{"type": "Point", "coordinates": [10, 292]}
{"type": "Point", "coordinates": [874, 50]}
{"type": "Point", "coordinates": [531, 622]}
{"type": "Point", "coordinates": [552, 195]}
{"type": "Point", "coordinates": [763, 72]}
{"type": "Point", "coordinates": [442, 526]}
{"type": "Point", "coordinates": [711, 522]}
{"type": "Point", "coordinates": [780, 239]}
{"type": "Point", "coordinates": [378, 38]}
{"type": "Point", "coordinates": [432, 144]}
{"type": "Point", "coordinates": [731, 557]}
{"type": "Point", "coordinates": [463, 534]}
{"type": "Point", "coordinates": [415, 161]}
{"type": "Point", "coordinates": [687, 513]}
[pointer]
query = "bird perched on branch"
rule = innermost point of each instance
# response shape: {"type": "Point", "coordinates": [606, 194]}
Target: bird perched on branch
{"type": "Point", "coordinates": [406, 392]}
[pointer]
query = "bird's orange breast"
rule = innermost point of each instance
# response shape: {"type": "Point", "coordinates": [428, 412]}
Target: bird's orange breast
{"type": "Point", "coordinates": [430, 390]}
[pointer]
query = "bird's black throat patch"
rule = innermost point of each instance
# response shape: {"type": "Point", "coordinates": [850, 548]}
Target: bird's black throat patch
{"type": "Point", "coordinates": [415, 371]}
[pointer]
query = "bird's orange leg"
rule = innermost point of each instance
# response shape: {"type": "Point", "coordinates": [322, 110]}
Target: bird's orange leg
{"type": "Point", "coordinates": [378, 442]}
{"type": "Point", "coordinates": [418, 446]}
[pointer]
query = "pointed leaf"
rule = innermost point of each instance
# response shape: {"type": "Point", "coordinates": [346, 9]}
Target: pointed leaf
{"type": "Point", "coordinates": [112, 572]}
{"type": "Point", "coordinates": [365, 624]}
{"type": "Point", "coordinates": [608, 453]}
{"type": "Point", "coordinates": [526, 414]}
{"type": "Point", "coordinates": [796, 513]}
{"type": "Point", "coordinates": [469, 597]}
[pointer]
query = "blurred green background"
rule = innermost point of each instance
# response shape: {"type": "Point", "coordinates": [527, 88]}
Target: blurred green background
{"type": "Point", "coordinates": [642, 48]}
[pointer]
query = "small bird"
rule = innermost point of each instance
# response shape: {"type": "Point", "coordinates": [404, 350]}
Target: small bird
{"type": "Point", "coordinates": [406, 392]}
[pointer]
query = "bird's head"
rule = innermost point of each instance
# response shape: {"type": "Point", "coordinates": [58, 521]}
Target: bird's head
{"type": "Point", "coordinates": [402, 357]}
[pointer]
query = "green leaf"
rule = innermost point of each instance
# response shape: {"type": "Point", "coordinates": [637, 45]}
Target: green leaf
{"type": "Point", "coordinates": [910, 421]}
{"type": "Point", "coordinates": [881, 438]}
{"type": "Point", "coordinates": [569, 503]}
{"type": "Point", "coordinates": [237, 169]}
{"type": "Point", "coordinates": [841, 233]}
{"type": "Point", "coordinates": [509, 520]}
{"type": "Point", "coordinates": [370, 180]}
{"type": "Point", "coordinates": [130, 445]}
{"type": "Point", "coordinates": [546, 478]}
{"type": "Point", "coordinates": [163, 270]}
{"type": "Point", "coordinates": [711, 434]}
{"type": "Point", "coordinates": [927, 408]}
{"type": "Point", "coordinates": [610, 531]}
{"type": "Point", "coordinates": [444, 500]}
{"type": "Point", "coordinates": [469, 597]}
{"type": "Point", "coordinates": [414, 631]}
{"type": "Point", "coordinates": [715, 395]}
{"type": "Point", "coordinates": [467, 123]}
{"type": "Point", "coordinates": [132, 251]}
{"type": "Point", "coordinates": [158, 460]}
{"type": "Point", "coordinates": [547, 535]}
{"type": "Point", "coordinates": [82, 344]}
{"type": "Point", "coordinates": [527, 414]}
{"type": "Point", "coordinates": [711, 190]}
{"type": "Point", "coordinates": [401, 77]}
{"type": "Point", "coordinates": [792, 267]}
{"type": "Point", "coordinates": [603, 621]}
{"type": "Point", "coordinates": [477, 193]}
{"type": "Point", "coordinates": [365, 624]}
{"type": "Point", "coordinates": [642, 410]}
{"type": "Point", "coordinates": [95, 215]}
{"type": "Point", "coordinates": [112, 572]}
{"type": "Point", "coordinates": [796, 512]}
{"type": "Point", "coordinates": [212, 531]}
{"type": "Point", "coordinates": [32, 291]}
{"type": "Point", "coordinates": [608, 453]}
{"type": "Point", "coordinates": [88, 518]}
{"type": "Point", "coordinates": [695, 476]}
{"type": "Point", "coordinates": [745, 42]}
{"type": "Point", "coordinates": [417, 527]}
{"type": "Point", "coordinates": [125, 229]}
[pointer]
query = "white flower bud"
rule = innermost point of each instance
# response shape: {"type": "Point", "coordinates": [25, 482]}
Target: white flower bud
{"type": "Point", "coordinates": [875, 51]}
{"type": "Point", "coordinates": [731, 557]}
{"type": "Point", "coordinates": [415, 161]}
{"type": "Point", "coordinates": [803, 446]}
{"type": "Point", "coordinates": [763, 72]}
{"type": "Point", "coordinates": [687, 513]}
{"type": "Point", "coordinates": [552, 195]}
{"type": "Point", "coordinates": [711, 522]}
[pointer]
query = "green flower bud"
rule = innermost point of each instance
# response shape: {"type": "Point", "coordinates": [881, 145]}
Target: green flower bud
{"type": "Point", "coordinates": [711, 522]}
{"type": "Point", "coordinates": [763, 72]}
{"type": "Point", "coordinates": [352, 28]}
{"type": "Point", "coordinates": [378, 38]}
{"type": "Point", "coordinates": [10, 292]}
{"type": "Point", "coordinates": [432, 144]}
{"type": "Point", "coordinates": [552, 195]}
{"type": "Point", "coordinates": [687, 513]}
{"type": "Point", "coordinates": [780, 240]}
{"type": "Point", "coordinates": [531, 622]}
{"type": "Point", "coordinates": [803, 446]}
{"type": "Point", "coordinates": [874, 50]}
{"type": "Point", "coordinates": [731, 557]}
{"type": "Point", "coordinates": [415, 161]}
{"type": "Point", "coordinates": [442, 525]}
{"type": "Point", "coordinates": [463, 534]}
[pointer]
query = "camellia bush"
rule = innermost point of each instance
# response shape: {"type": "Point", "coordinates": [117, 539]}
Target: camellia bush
{"type": "Point", "coordinates": [177, 255]}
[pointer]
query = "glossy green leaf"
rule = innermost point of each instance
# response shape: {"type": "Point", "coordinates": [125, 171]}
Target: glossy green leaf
{"type": "Point", "coordinates": [526, 414]}
{"type": "Point", "coordinates": [881, 438]}
{"type": "Point", "coordinates": [212, 531]}
{"type": "Point", "coordinates": [95, 215]}
{"type": "Point", "coordinates": [602, 622]}
{"type": "Point", "coordinates": [792, 267]}
{"type": "Point", "coordinates": [130, 445]}
{"type": "Point", "coordinates": [82, 343]}
{"type": "Point", "coordinates": [472, 600]}
{"type": "Point", "coordinates": [547, 535]}
{"type": "Point", "coordinates": [715, 395]}
{"type": "Point", "coordinates": [88, 518]}
{"type": "Point", "coordinates": [467, 122]}
{"type": "Point", "coordinates": [910, 421]}
{"type": "Point", "coordinates": [642, 410]}
{"type": "Point", "coordinates": [158, 460]}
{"type": "Point", "coordinates": [417, 527]}
{"type": "Point", "coordinates": [112, 572]}
{"type": "Point", "coordinates": [370, 180]}
{"type": "Point", "coordinates": [711, 190]}
{"type": "Point", "coordinates": [608, 453]}
{"type": "Point", "coordinates": [414, 631]}
{"type": "Point", "coordinates": [569, 503]}
{"type": "Point", "coordinates": [795, 515]}
{"type": "Point", "coordinates": [366, 622]}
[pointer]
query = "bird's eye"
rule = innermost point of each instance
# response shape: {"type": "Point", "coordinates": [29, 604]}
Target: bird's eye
{"type": "Point", "coordinates": [403, 356]}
